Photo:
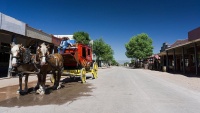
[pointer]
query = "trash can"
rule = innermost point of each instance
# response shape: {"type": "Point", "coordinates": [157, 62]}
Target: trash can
{"type": "Point", "coordinates": [145, 66]}
{"type": "Point", "coordinates": [164, 69]}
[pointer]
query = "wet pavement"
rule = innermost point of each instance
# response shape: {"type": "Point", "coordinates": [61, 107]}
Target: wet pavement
{"type": "Point", "coordinates": [70, 91]}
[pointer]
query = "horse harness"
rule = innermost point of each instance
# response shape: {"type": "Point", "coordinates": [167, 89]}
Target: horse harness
{"type": "Point", "coordinates": [24, 57]}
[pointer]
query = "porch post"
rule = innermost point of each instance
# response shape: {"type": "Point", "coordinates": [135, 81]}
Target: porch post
{"type": "Point", "coordinates": [13, 41]}
{"type": "Point", "coordinates": [53, 49]}
{"type": "Point", "coordinates": [167, 62]}
{"type": "Point", "coordinates": [174, 56]}
{"type": "Point", "coordinates": [161, 62]}
{"type": "Point", "coordinates": [36, 46]}
{"type": "Point", "coordinates": [195, 58]}
{"type": "Point", "coordinates": [183, 56]}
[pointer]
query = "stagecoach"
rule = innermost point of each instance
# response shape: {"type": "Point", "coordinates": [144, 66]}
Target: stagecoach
{"type": "Point", "coordinates": [78, 61]}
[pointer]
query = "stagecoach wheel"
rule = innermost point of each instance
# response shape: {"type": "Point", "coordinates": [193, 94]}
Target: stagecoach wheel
{"type": "Point", "coordinates": [95, 70]}
{"type": "Point", "coordinates": [83, 75]}
{"type": "Point", "coordinates": [52, 78]}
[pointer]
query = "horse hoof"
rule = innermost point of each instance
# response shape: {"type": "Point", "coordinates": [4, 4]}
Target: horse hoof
{"type": "Point", "coordinates": [59, 87]}
{"type": "Point", "coordinates": [42, 93]}
{"type": "Point", "coordinates": [54, 88]}
{"type": "Point", "coordinates": [17, 92]}
{"type": "Point", "coordinates": [38, 91]}
{"type": "Point", "coordinates": [26, 91]}
{"type": "Point", "coordinates": [34, 90]}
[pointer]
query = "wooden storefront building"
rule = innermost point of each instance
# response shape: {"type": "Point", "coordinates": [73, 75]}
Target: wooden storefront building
{"type": "Point", "coordinates": [183, 56]}
{"type": "Point", "coordinates": [15, 31]}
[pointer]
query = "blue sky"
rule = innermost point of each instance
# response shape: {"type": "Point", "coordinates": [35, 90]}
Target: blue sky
{"type": "Point", "coordinates": [116, 21]}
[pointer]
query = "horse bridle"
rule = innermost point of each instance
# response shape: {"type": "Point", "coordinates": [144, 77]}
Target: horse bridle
{"type": "Point", "coordinates": [46, 55]}
{"type": "Point", "coordinates": [42, 56]}
{"type": "Point", "coordinates": [18, 56]}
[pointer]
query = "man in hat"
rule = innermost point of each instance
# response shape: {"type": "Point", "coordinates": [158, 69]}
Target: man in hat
{"type": "Point", "coordinates": [64, 44]}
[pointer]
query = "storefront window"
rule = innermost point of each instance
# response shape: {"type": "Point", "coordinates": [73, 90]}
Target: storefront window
{"type": "Point", "coordinates": [186, 62]}
{"type": "Point", "coordinates": [172, 62]}
{"type": "Point", "coordinates": [5, 47]}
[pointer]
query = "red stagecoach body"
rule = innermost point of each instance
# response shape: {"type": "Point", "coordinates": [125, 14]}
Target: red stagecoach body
{"type": "Point", "coordinates": [77, 57]}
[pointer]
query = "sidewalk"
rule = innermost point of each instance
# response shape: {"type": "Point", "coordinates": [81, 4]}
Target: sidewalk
{"type": "Point", "coordinates": [190, 82]}
{"type": "Point", "coordinates": [4, 82]}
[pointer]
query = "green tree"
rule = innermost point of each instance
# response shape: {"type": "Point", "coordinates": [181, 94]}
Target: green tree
{"type": "Point", "coordinates": [108, 56]}
{"type": "Point", "coordinates": [114, 62]}
{"type": "Point", "coordinates": [81, 37]}
{"type": "Point", "coordinates": [103, 50]}
{"type": "Point", "coordinates": [125, 64]}
{"type": "Point", "coordinates": [98, 48]}
{"type": "Point", "coordinates": [139, 47]}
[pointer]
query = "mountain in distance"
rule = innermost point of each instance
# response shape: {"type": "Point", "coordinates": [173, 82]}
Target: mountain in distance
{"type": "Point", "coordinates": [122, 61]}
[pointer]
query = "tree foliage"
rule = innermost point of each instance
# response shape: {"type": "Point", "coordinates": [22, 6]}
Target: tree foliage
{"type": "Point", "coordinates": [98, 48]}
{"type": "Point", "coordinates": [102, 50]}
{"type": "Point", "coordinates": [81, 37]}
{"type": "Point", "coordinates": [114, 63]}
{"type": "Point", "coordinates": [108, 56]}
{"type": "Point", "coordinates": [139, 47]}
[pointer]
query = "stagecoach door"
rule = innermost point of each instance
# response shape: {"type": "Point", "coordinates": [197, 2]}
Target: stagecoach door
{"type": "Point", "coordinates": [84, 52]}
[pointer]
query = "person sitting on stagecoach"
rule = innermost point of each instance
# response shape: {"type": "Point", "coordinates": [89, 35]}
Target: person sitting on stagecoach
{"type": "Point", "coordinates": [64, 44]}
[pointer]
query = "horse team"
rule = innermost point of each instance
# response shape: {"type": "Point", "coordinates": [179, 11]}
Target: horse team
{"type": "Point", "coordinates": [41, 63]}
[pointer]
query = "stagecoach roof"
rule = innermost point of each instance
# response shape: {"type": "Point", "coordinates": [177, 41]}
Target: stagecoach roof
{"type": "Point", "coordinates": [60, 36]}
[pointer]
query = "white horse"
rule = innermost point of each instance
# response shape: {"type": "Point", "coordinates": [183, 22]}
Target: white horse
{"type": "Point", "coordinates": [21, 65]}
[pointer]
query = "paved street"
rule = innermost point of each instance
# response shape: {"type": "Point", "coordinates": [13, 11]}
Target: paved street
{"type": "Point", "coordinates": [117, 90]}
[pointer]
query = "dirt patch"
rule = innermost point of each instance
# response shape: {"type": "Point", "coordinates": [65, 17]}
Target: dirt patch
{"type": "Point", "coordinates": [70, 91]}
